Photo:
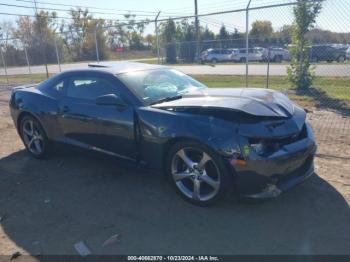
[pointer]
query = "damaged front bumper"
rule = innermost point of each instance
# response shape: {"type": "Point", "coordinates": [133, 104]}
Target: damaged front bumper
{"type": "Point", "coordinates": [267, 177]}
{"type": "Point", "coordinates": [274, 190]}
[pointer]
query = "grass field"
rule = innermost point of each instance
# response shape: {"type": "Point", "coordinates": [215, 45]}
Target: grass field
{"type": "Point", "coordinates": [332, 88]}
{"type": "Point", "coordinates": [326, 88]}
{"type": "Point", "coordinates": [335, 87]}
{"type": "Point", "coordinates": [154, 61]}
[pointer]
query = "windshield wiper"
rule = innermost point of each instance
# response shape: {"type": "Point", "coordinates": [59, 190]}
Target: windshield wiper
{"type": "Point", "coordinates": [166, 99]}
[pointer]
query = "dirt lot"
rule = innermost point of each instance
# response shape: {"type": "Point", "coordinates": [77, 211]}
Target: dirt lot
{"type": "Point", "coordinates": [47, 206]}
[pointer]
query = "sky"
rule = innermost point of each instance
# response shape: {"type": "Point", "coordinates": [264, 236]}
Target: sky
{"type": "Point", "coordinates": [334, 15]}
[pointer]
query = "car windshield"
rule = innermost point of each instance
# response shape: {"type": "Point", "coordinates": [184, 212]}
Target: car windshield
{"type": "Point", "coordinates": [153, 86]}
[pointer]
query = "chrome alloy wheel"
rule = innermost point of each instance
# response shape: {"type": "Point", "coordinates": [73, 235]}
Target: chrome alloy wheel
{"type": "Point", "coordinates": [32, 137]}
{"type": "Point", "coordinates": [195, 174]}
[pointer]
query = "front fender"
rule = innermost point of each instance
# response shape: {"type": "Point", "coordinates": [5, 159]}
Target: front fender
{"type": "Point", "coordinates": [158, 128]}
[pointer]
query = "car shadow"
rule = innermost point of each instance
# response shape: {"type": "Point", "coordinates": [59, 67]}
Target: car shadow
{"type": "Point", "coordinates": [324, 101]}
{"type": "Point", "coordinates": [49, 205]}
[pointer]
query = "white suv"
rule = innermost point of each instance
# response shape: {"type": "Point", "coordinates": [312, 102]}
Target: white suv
{"type": "Point", "coordinates": [254, 54]}
{"type": "Point", "coordinates": [216, 55]}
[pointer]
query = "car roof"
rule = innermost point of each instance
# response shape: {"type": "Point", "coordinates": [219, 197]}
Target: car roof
{"type": "Point", "coordinates": [122, 67]}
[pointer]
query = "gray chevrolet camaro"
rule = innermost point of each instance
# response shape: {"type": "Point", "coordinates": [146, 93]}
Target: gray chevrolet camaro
{"type": "Point", "coordinates": [208, 141]}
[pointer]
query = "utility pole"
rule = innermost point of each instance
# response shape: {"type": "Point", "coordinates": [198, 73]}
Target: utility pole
{"type": "Point", "coordinates": [43, 46]}
{"type": "Point", "coordinates": [157, 36]}
{"type": "Point", "coordinates": [197, 28]}
{"type": "Point", "coordinates": [27, 58]}
{"type": "Point", "coordinates": [4, 63]}
{"type": "Point", "coordinates": [57, 54]}
{"type": "Point", "coordinates": [96, 45]}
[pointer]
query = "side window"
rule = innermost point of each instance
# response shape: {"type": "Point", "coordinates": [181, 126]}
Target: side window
{"type": "Point", "coordinates": [58, 87]}
{"type": "Point", "coordinates": [89, 87]}
{"type": "Point", "coordinates": [54, 87]}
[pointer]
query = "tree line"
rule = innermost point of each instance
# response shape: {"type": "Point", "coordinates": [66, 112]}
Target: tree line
{"type": "Point", "coordinates": [75, 37]}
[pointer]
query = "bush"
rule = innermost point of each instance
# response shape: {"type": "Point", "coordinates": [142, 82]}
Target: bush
{"type": "Point", "coordinates": [300, 74]}
{"type": "Point", "coordinates": [171, 53]}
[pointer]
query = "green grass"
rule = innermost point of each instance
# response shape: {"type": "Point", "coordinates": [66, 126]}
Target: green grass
{"type": "Point", "coordinates": [329, 88]}
{"type": "Point", "coordinates": [22, 79]}
{"type": "Point", "coordinates": [154, 61]}
{"type": "Point", "coordinates": [148, 61]}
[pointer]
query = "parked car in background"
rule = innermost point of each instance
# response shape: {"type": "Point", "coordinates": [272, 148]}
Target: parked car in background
{"type": "Point", "coordinates": [340, 46]}
{"type": "Point", "coordinates": [277, 54]}
{"type": "Point", "coordinates": [254, 54]}
{"type": "Point", "coordinates": [348, 54]}
{"type": "Point", "coordinates": [216, 55]}
{"type": "Point", "coordinates": [327, 53]}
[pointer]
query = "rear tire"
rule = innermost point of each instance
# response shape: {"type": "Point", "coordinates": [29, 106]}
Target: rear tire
{"type": "Point", "coordinates": [34, 137]}
{"type": "Point", "coordinates": [278, 59]}
{"type": "Point", "coordinates": [214, 61]}
{"type": "Point", "coordinates": [197, 173]}
{"type": "Point", "coordinates": [341, 59]}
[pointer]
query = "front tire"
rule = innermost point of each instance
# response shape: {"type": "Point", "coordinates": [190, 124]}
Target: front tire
{"type": "Point", "coordinates": [34, 137]}
{"type": "Point", "coordinates": [197, 173]}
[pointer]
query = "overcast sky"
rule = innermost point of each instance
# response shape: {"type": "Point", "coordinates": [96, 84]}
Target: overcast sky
{"type": "Point", "coordinates": [334, 16]}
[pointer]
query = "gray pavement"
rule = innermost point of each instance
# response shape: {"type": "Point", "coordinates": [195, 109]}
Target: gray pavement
{"type": "Point", "coordinates": [337, 70]}
{"type": "Point", "coordinates": [341, 70]}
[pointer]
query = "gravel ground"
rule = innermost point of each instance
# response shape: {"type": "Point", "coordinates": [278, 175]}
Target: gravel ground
{"type": "Point", "coordinates": [48, 206]}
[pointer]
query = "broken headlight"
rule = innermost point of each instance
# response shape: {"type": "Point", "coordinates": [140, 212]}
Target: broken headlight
{"type": "Point", "coordinates": [258, 148]}
{"type": "Point", "coordinates": [263, 147]}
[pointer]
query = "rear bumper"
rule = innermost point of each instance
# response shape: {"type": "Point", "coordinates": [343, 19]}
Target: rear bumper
{"type": "Point", "coordinates": [264, 178]}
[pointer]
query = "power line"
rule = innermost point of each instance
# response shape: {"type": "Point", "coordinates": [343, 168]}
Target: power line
{"type": "Point", "coordinates": [205, 7]}
{"type": "Point", "coordinates": [187, 16]}
{"type": "Point", "coordinates": [71, 18]}
{"type": "Point", "coordinates": [65, 10]}
{"type": "Point", "coordinates": [91, 7]}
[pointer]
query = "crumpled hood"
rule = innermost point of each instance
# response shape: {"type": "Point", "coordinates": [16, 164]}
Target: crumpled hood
{"type": "Point", "coordinates": [253, 101]}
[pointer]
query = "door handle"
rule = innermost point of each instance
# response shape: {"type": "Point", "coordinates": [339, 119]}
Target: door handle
{"type": "Point", "coordinates": [64, 109]}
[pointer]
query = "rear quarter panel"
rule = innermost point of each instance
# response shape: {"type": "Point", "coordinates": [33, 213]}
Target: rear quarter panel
{"type": "Point", "coordinates": [42, 107]}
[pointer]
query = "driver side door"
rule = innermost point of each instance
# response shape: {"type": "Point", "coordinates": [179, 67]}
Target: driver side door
{"type": "Point", "coordinates": [104, 128]}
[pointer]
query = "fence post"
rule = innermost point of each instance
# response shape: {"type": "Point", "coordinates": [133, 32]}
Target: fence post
{"type": "Point", "coordinates": [57, 54]}
{"type": "Point", "coordinates": [4, 63]}
{"type": "Point", "coordinates": [247, 43]}
{"type": "Point", "coordinates": [96, 45]}
{"type": "Point", "coordinates": [27, 58]}
{"type": "Point", "coordinates": [197, 29]}
{"type": "Point", "coordinates": [268, 68]}
{"type": "Point", "coordinates": [157, 36]}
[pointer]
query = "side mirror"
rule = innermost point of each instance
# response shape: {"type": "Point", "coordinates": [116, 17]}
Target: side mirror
{"type": "Point", "coordinates": [111, 100]}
